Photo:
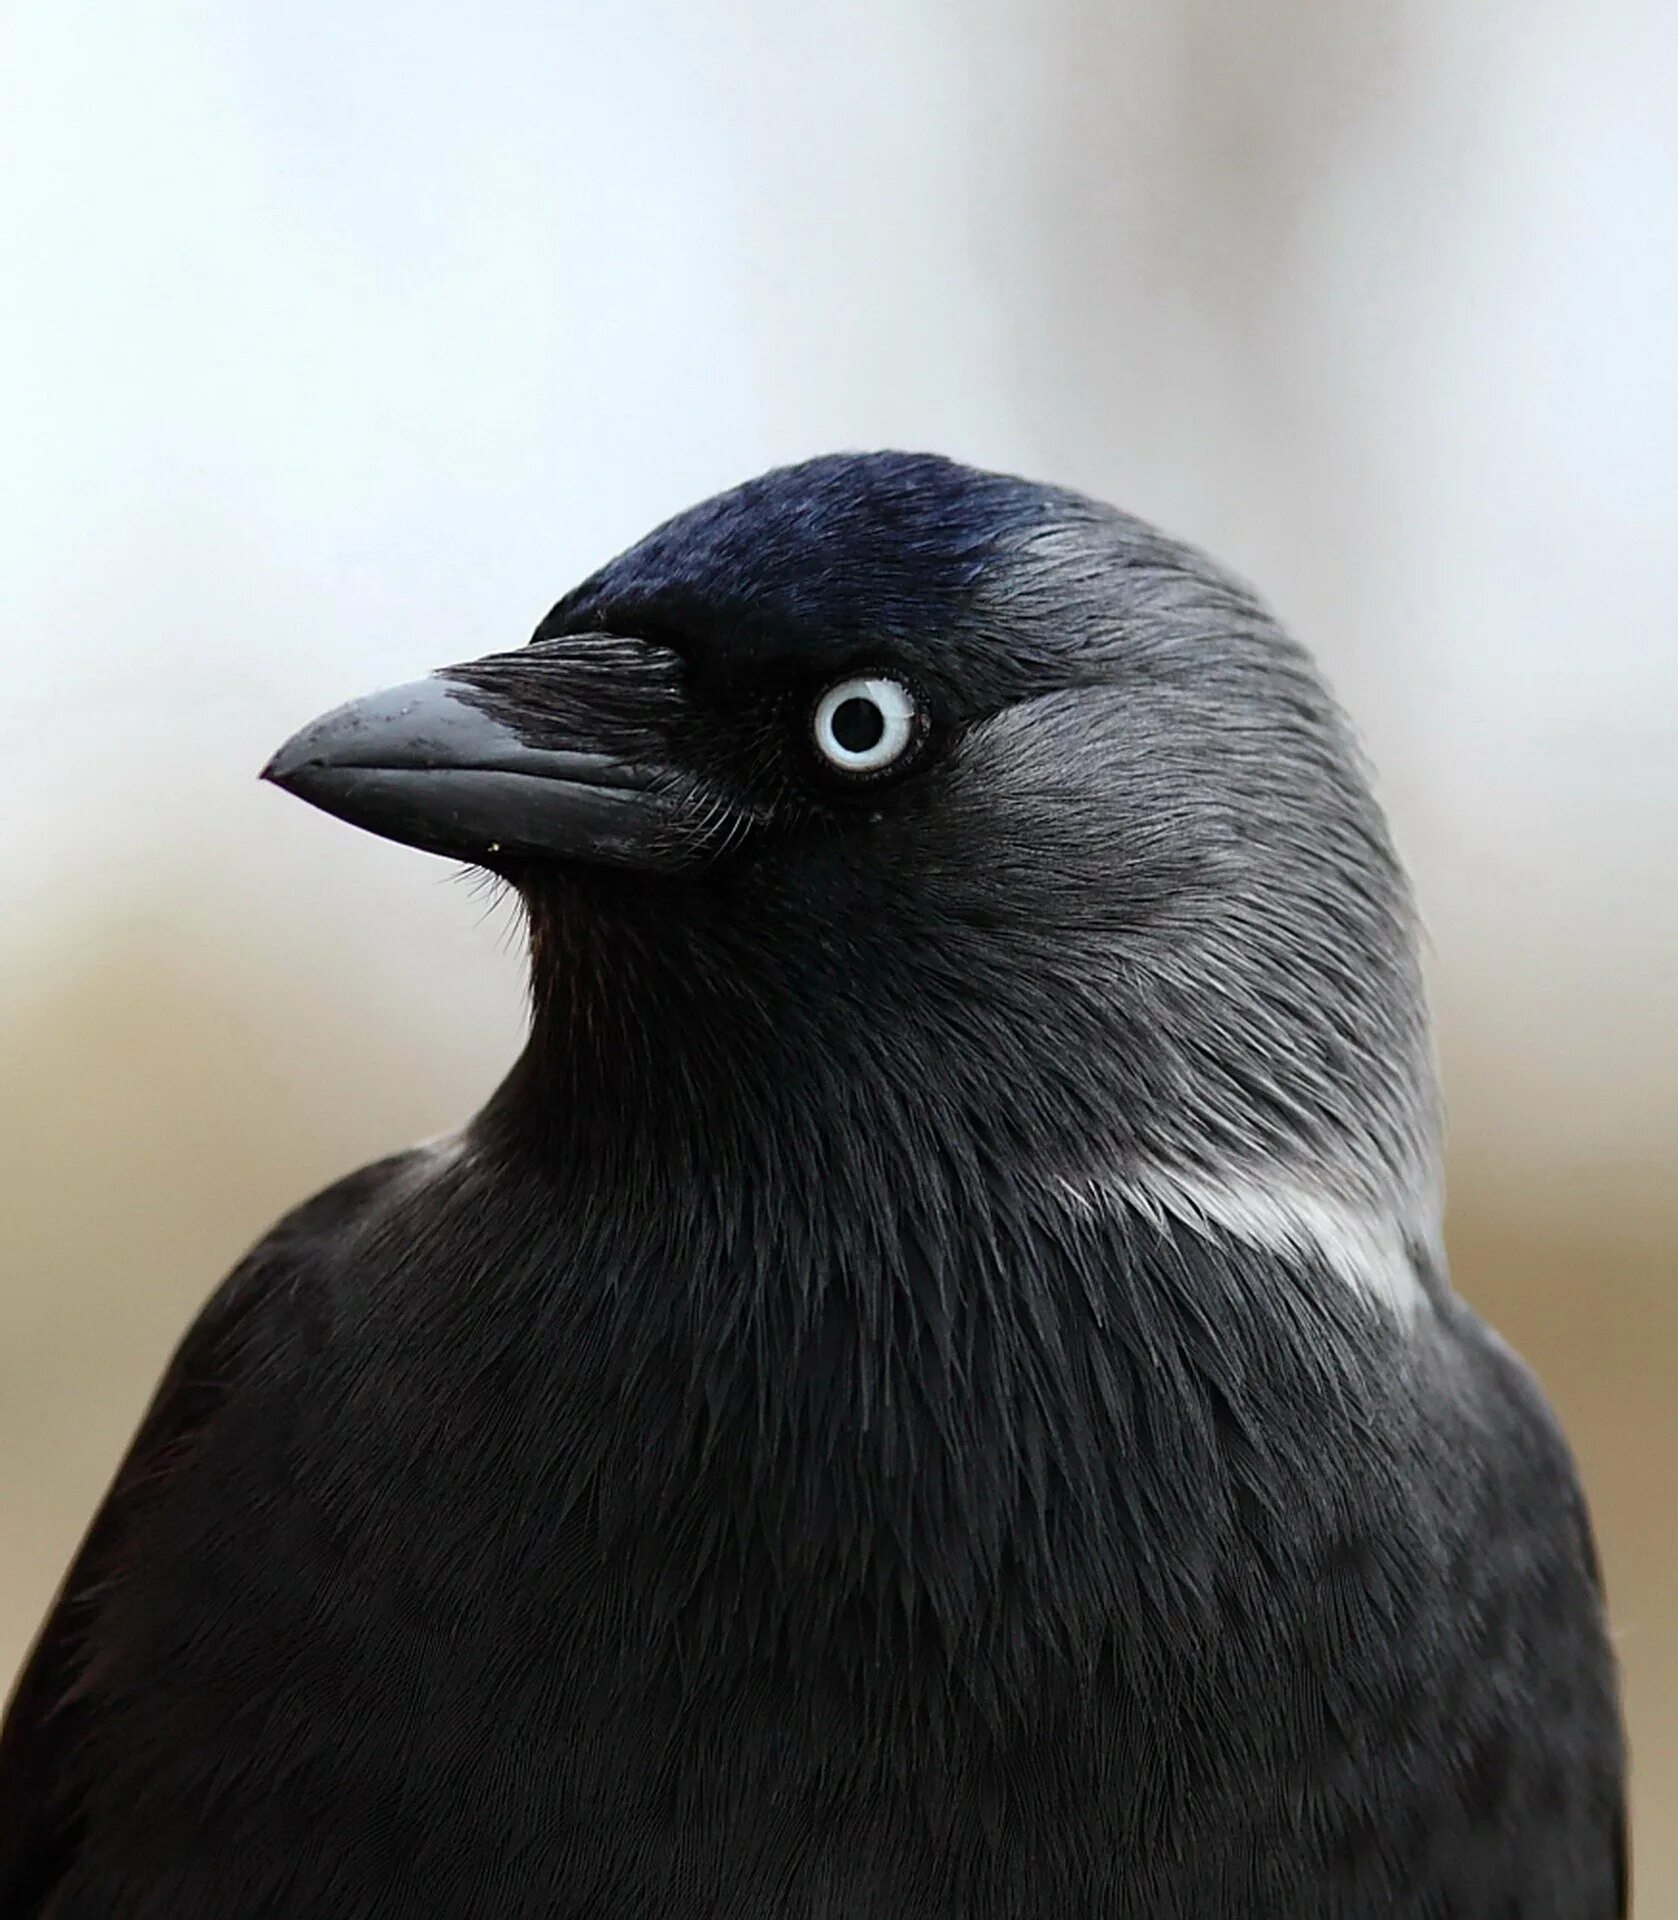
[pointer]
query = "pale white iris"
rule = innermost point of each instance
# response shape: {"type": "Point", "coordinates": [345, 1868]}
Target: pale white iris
{"type": "Point", "coordinates": [863, 725]}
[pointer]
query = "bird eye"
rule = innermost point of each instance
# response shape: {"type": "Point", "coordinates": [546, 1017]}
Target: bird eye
{"type": "Point", "coordinates": [863, 725]}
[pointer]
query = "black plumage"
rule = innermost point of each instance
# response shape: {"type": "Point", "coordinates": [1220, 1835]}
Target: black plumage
{"type": "Point", "coordinates": [931, 1389]}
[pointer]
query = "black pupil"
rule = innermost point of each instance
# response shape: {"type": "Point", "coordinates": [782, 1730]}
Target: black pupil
{"type": "Point", "coordinates": [858, 724]}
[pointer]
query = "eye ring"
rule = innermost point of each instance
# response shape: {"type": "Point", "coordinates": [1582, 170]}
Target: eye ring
{"type": "Point", "coordinates": [865, 724]}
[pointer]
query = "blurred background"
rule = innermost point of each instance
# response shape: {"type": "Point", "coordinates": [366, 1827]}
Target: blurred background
{"type": "Point", "coordinates": [337, 340]}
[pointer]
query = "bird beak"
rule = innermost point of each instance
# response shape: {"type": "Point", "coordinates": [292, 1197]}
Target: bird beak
{"type": "Point", "coordinates": [425, 765]}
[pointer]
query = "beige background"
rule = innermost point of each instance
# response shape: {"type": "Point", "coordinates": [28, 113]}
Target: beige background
{"type": "Point", "coordinates": [336, 341]}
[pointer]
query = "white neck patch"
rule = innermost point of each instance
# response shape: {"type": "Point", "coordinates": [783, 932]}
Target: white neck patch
{"type": "Point", "coordinates": [1363, 1247]}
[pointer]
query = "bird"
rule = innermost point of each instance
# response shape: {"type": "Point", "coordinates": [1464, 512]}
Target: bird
{"type": "Point", "coordinates": [932, 1389]}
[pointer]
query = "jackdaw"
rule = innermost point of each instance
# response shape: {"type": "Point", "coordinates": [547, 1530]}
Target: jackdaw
{"type": "Point", "coordinates": [931, 1389]}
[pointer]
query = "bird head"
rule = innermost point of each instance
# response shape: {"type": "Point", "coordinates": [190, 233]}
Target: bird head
{"type": "Point", "coordinates": [939, 791]}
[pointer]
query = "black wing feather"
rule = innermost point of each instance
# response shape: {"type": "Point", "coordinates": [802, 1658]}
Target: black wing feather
{"type": "Point", "coordinates": [57, 1688]}
{"type": "Point", "coordinates": [1561, 1533]}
